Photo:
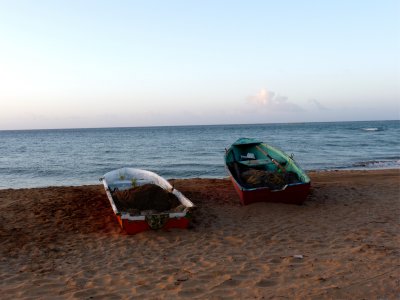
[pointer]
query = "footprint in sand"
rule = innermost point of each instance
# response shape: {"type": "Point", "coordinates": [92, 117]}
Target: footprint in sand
{"type": "Point", "coordinates": [266, 283]}
{"type": "Point", "coordinates": [234, 240]}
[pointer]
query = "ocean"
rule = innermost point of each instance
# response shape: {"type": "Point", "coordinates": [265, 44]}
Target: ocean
{"type": "Point", "coordinates": [65, 157]}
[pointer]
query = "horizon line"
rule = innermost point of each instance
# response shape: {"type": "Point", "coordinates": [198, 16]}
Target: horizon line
{"type": "Point", "coordinates": [194, 125]}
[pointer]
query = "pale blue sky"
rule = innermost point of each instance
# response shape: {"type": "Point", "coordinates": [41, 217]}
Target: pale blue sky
{"type": "Point", "coordinates": [70, 64]}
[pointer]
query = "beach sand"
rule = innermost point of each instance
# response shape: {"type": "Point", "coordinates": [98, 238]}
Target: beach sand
{"type": "Point", "coordinates": [343, 243]}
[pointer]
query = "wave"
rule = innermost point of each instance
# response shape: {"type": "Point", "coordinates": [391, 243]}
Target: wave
{"type": "Point", "coordinates": [378, 164]}
{"type": "Point", "coordinates": [372, 129]}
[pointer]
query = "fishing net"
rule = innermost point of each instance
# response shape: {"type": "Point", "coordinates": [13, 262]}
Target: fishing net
{"type": "Point", "coordinates": [145, 200]}
{"type": "Point", "coordinates": [157, 221]}
{"type": "Point", "coordinates": [274, 180]}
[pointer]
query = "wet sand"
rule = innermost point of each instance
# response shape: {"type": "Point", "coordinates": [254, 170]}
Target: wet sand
{"type": "Point", "coordinates": [343, 243]}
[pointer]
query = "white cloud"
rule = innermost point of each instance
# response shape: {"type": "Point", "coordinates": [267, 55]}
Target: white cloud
{"type": "Point", "coordinates": [273, 102]}
{"type": "Point", "coordinates": [263, 97]}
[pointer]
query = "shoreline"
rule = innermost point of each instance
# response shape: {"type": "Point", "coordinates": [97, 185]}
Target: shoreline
{"type": "Point", "coordinates": [212, 178]}
{"type": "Point", "coordinates": [343, 242]}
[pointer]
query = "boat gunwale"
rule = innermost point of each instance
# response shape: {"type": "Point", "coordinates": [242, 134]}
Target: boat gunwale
{"type": "Point", "coordinates": [127, 216]}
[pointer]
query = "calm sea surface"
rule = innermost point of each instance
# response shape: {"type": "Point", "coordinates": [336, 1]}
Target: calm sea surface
{"type": "Point", "coordinates": [37, 158]}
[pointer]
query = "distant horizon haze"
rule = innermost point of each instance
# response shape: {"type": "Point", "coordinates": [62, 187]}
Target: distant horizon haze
{"type": "Point", "coordinates": [199, 125]}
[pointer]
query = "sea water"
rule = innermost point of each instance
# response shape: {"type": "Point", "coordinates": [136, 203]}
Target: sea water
{"type": "Point", "coordinates": [62, 157]}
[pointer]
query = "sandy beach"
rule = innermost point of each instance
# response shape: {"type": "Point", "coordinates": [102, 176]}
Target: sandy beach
{"type": "Point", "coordinates": [343, 243]}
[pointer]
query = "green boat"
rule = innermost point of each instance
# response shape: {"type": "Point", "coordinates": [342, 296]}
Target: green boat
{"type": "Point", "coordinates": [260, 172]}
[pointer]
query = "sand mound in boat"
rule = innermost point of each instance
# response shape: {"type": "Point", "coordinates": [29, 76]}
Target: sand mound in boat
{"type": "Point", "coordinates": [148, 197]}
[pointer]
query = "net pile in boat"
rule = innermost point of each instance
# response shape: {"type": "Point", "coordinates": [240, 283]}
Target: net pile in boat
{"type": "Point", "coordinates": [274, 180]}
{"type": "Point", "coordinates": [146, 199]}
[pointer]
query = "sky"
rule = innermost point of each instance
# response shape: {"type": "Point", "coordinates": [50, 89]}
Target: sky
{"type": "Point", "coordinates": [79, 64]}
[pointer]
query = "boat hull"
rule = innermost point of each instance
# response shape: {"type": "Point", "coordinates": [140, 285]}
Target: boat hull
{"type": "Point", "coordinates": [134, 227]}
{"type": "Point", "coordinates": [296, 194]}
